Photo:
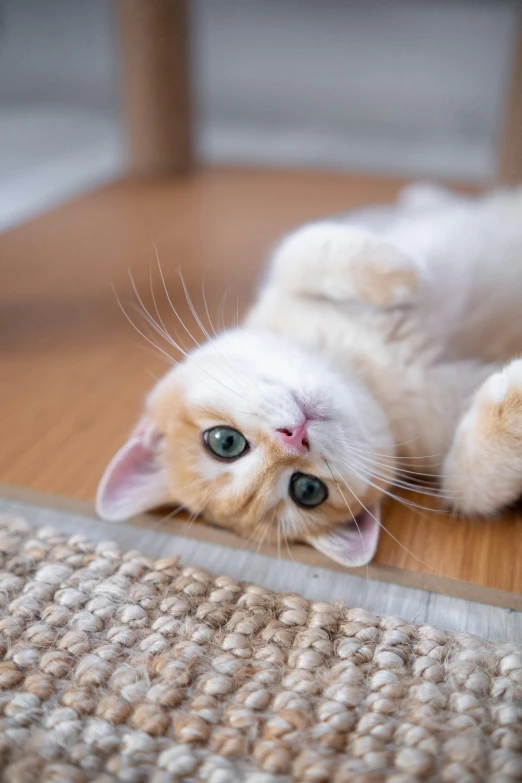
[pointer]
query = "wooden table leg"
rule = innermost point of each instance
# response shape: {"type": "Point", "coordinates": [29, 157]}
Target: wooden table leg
{"type": "Point", "coordinates": [510, 154]}
{"type": "Point", "coordinates": [156, 74]}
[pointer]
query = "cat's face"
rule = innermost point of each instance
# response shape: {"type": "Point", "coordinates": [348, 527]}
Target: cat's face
{"type": "Point", "coordinates": [260, 437]}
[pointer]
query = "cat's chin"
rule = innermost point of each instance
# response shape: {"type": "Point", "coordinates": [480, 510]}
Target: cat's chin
{"type": "Point", "coordinates": [353, 543]}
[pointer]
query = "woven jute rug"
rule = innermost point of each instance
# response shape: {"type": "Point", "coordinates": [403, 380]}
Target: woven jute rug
{"type": "Point", "coordinates": [116, 667]}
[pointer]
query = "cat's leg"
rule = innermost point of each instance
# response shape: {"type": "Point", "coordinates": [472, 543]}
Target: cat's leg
{"type": "Point", "coordinates": [341, 262]}
{"type": "Point", "coordinates": [482, 472]}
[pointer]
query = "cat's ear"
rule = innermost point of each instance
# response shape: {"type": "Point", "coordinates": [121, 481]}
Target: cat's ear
{"type": "Point", "coordinates": [354, 543]}
{"type": "Point", "coordinates": [134, 480]}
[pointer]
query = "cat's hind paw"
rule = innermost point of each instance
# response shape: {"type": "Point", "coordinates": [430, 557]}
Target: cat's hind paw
{"type": "Point", "coordinates": [498, 405]}
{"type": "Point", "coordinates": [483, 470]}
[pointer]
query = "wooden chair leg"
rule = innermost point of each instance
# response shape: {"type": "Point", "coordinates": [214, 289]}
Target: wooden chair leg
{"type": "Point", "coordinates": [155, 43]}
{"type": "Point", "coordinates": [510, 157]}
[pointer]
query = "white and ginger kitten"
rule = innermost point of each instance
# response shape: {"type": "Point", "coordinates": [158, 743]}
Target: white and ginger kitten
{"type": "Point", "coordinates": [380, 346]}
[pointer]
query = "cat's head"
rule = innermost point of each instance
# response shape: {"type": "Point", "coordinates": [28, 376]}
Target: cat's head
{"type": "Point", "coordinates": [264, 438]}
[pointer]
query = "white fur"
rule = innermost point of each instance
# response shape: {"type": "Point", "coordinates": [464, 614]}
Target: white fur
{"type": "Point", "coordinates": [386, 322]}
{"type": "Point", "coordinates": [257, 377]}
{"type": "Point", "coordinates": [464, 316]}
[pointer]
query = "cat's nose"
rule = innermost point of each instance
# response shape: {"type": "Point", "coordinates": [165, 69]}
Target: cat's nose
{"type": "Point", "coordinates": [295, 437]}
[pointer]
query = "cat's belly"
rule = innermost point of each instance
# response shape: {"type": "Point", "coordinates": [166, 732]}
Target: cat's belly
{"type": "Point", "coordinates": [471, 253]}
{"type": "Point", "coordinates": [349, 330]}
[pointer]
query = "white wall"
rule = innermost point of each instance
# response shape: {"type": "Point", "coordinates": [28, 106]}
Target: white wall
{"type": "Point", "coordinates": [409, 86]}
{"type": "Point", "coordinates": [414, 86]}
{"type": "Point", "coordinates": [60, 127]}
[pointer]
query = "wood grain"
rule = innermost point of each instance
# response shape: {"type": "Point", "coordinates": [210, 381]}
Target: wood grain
{"type": "Point", "coordinates": [510, 153]}
{"type": "Point", "coordinates": [156, 72]}
{"type": "Point", "coordinates": [73, 372]}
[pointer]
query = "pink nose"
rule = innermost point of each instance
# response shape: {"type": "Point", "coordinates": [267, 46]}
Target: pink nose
{"type": "Point", "coordinates": [295, 437]}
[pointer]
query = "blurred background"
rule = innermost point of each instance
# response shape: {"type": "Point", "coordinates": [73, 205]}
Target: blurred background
{"type": "Point", "coordinates": [410, 87]}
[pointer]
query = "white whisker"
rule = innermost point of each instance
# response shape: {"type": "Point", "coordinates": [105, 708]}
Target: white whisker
{"type": "Point", "coordinates": [167, 355]}
{"type": "Point", "coordinates": [172, 305]}
{"type": "Point", "coordinates": [408, 551]}
{"type": "Point", "coordinates": [388, 474]}
{"type": "Point", "coordinates": [404, 502]}
{"type": "Point", "coordinates": [206, 304]}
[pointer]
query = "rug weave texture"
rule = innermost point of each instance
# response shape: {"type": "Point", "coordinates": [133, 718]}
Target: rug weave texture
{"type": "Point", "coordinates": [116, 667]}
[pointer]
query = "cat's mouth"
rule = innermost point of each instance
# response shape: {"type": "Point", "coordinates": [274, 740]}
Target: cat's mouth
{"type": "Point", "coordinates": [353, 543]}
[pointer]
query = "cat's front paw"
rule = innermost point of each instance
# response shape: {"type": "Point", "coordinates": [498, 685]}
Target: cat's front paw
{"type": "Point", "coordinates": [343, 262]}
{"type": "Point", "coordinates": [388, 278]}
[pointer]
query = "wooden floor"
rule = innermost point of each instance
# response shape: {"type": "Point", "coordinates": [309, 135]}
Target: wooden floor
{"type": "Point", "coordinates": [73, 372]}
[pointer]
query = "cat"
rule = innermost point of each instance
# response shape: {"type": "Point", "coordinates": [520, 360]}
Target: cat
{"type": "Point", "coordinates": [382, 344]}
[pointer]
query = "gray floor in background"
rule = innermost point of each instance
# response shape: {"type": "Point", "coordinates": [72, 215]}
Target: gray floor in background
{"type": "Point", "coordinates": [321, 584]}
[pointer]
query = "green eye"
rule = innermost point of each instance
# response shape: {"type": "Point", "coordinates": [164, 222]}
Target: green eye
{"type": "Point", "coordinates": [307, 491]}
{"type": "Point", "coordinates": [225, 442]}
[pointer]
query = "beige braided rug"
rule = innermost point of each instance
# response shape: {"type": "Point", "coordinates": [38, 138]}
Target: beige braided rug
{"type": "Point", "coordinates": [116, 667]}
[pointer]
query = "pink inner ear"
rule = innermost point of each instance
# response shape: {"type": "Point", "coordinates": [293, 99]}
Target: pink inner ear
{"type": "Point", "coordinates": [353, 543]}
{"type": "Point", "coordinates": [134, 480]}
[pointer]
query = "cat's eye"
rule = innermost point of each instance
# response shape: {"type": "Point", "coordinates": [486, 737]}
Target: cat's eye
{"type": "Point", "coordinates": [307, 491]}
{"type": "Point", "coordinates": [225, 442]}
